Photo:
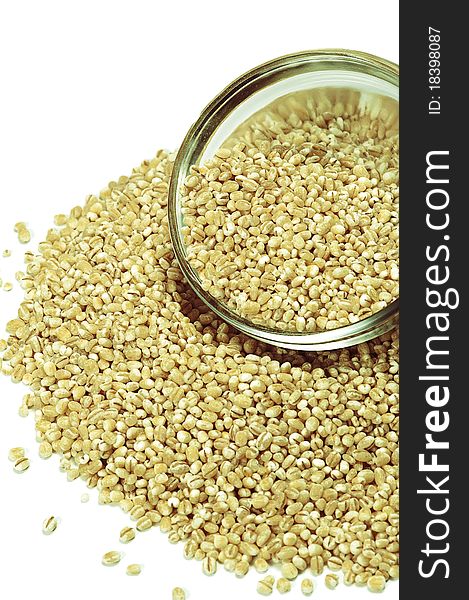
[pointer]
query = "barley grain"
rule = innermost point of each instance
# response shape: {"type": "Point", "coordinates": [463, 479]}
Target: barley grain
{"type": "Point", "coordinates": [289, 571]}
{"type": "Point", "coordinates": [209, 565]}
{"type": "Point", "coordinates": [265, 586]}
{"type": "Point", "coordinates": [376, 583]}
{"type": "Point", "coordinates": [21, 465]}
{"type": "Point", "coordinates": [60, 220]}
{"type": "Point", "coordinates": [15, 454]}
{"type": "Point", "coordinates": [134, 569]}
{"type": "Point", "coordinates": [307, 587]}
{"type": "Point", "coordinates": [23, 410]}
{"type": "Point", "coordinates": [49, 525]}
{"type": "Point", "coordinates": [24, 235]}
{"type": "Point", "coordinates": [332, 581]}
{"type": "Point", "coordinates": [179, 594]}
{"type": "Point", "coordinates": [111, 558]}
{"type": "Point", "coordinates": [394, 572]}
{"type": "Point", "coordinates": [45, 449]}
{"type": "Point", "coordinates": [126, 535]}
{"type": "Point", "coordinates": [261, 565]}
{"type": "Point", "coordinates": [283, 585]}
{"type": "Point", "coordinates": [144, 523]}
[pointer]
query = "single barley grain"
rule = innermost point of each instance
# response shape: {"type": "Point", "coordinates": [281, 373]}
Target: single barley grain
{"type": "Point", "coordinates": [332, 581]}
{"type": "Point", "coordinates": [209, 565]}
{"type": "Point", "coordinates": [24, 235]}
{"type": "Point", "coordinates": [49, 525]}
{"type": "Point", "coordinates": [307, 586]}
{"type": "Point", "coordinates": [21, 465]}
{"type": "Point", "coordinates": [289, 571]}
{"type": "Point", "coordinates": [134, 569]}
{"type": "Point", "coordinates": [7, 286]}
{"type": "Point", "coordinates": [15, 454]}
{"type": "Point", "coordinates": [144, 523]}
{"type": "Point", "coordinates": [179, 594]}
{"type": "Point", "coordinates": [394, 572]}
{"type": "Point", "coordinates": [362, 578]}
{"type": "Point", "coordinates": [126, 535]}
{"type": "Point", "coordinates": [45, 449]}
{"type": "Point", "coordinates": [261, 565]}
{"type": "Point", "coordinates": [241, 569]}
{"type": "Point", "coordinates": [111, 558]}
{"type": "Point", "coordinates": [23, 411]}
{"type": "Point", "coordinates": [376, 583]}
{"type": "Point", "coordinates": [283, 585]}
{"type": "Point", "coordinates": [265, 586]}
{"type": "Point", "coordinates": [60, 220]}
{"type": "Point", "coordinates": [6, 253]}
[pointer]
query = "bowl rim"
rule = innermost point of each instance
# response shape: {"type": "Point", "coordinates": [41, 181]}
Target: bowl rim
{"type": "Point", "coordinates": [201, 131]}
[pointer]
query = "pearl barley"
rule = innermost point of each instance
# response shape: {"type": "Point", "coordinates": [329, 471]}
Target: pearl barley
{"type": "Point", "coordinates": [247, 454]}
{"type": "Point", "coordinates": [294, 224]}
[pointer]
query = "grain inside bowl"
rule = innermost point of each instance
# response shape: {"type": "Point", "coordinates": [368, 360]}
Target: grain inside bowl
{"type": "Point", "coordinates": [293, 224]}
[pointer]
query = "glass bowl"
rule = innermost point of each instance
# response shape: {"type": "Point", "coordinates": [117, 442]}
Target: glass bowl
{"type": "Point", "coordinates": [295, 73]}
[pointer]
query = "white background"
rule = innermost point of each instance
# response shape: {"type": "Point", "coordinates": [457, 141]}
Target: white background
{"type": "Point", "coordinates": [88, 89]}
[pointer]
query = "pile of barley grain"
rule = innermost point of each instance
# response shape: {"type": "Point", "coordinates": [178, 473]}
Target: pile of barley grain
{"type": "Point", "coordinates": [249, 455]}
{"type": "Point", "coordinates": [295, 224]}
